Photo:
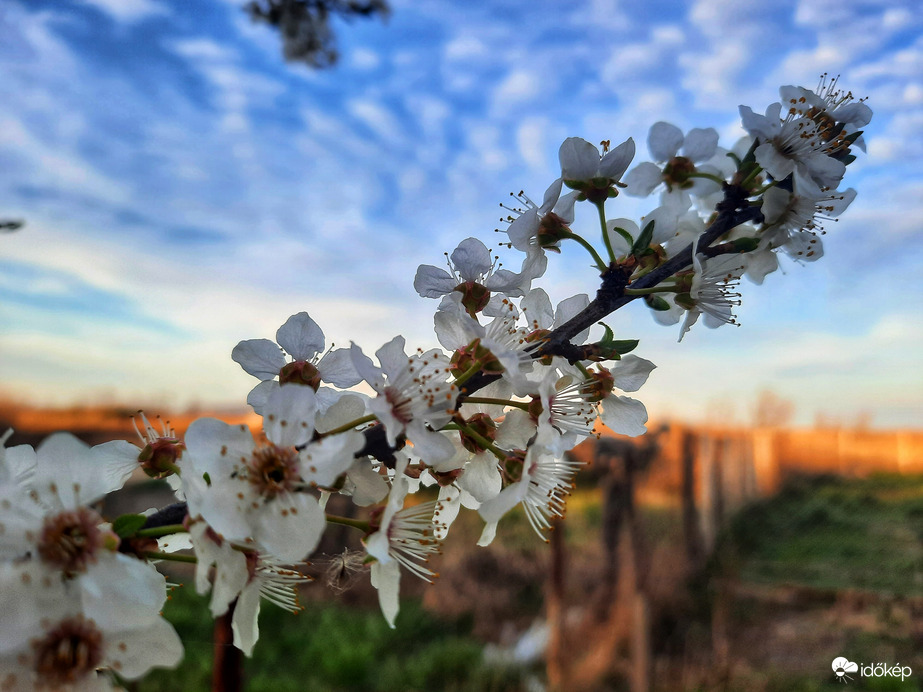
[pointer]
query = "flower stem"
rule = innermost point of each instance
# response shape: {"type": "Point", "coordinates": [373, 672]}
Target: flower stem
{"type": "Point", "coordinates": [755, 171]}
{"type": "Point", "coordinates": [763, 189]}
{"type": "Point", "coordinates": [601, 208]}
{"type": "Point", "coordinates": [580, 239]}
{"type": "Point", "coordinates": [708, 176]}
{"type": "Point", "coordinates": [484, 442]}
{"type": "Point", "coordinates": [355, 523]}
{"type": "Point", "coordinates": [158, 531]}
{"type": "Point", "coordinates": [649, 291]}
{"type": "Point", "coordinates": [468, 374]}
{"type": "Point", "coordinates": [157, 555]}
{"type": "Point", "coordinates": [492, 400]}
{"type": "Point", "coordinates": [348, 426]}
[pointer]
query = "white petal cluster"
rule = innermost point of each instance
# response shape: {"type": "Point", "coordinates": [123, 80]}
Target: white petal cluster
{"type": "Point", "coordinates": [303, 340]}
{"type": "Point", "coordinates": [71, 605]}
{"type": "Point", "coordinates": [678, 159]}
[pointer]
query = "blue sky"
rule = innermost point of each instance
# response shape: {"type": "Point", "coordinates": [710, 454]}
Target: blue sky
{"type": "Point", "coordinates": [185, 188]}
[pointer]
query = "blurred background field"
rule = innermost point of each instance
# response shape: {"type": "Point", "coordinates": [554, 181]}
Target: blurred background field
{"type": "Point", "coordinates": [696, 558]}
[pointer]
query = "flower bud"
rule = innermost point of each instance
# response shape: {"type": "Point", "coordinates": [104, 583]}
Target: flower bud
{"type": "Point", "coordinates": [444, 478]}
{"type": "Point", "coordinates": [678, 171]}
{"type": "Point", "coordinates": [474, 296]}
{"type": "Point", "coordinates": [158, 458]}
{"type": "Point", "coordinates": [551, 230]}
{"type": "Point", "coordinates": [468, 356]}
{"type": "Point", "coordinates": [484, 426]}
{"type": "Point", "coordinates": [514, 464]}
{"type": "Point", "coordinates": [300, 372]}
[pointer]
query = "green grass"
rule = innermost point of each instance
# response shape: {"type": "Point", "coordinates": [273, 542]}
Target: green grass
{"type": "Point", "coordinates": [835, 533]}
{"type": "Point", "coordinates": [331, 648]}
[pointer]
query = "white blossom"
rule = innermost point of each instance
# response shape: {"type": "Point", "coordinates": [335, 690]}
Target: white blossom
{"type": "Point", "coordinates": [303, 340]}
{"type": "Point", "coordinates": [256, 494]}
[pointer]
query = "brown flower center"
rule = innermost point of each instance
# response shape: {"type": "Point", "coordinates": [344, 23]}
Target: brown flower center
{"type": "Point", "coordinates": [70, 651]}
{"type": "Point", "coordinates": [273, 470]}
{"type": "Point", "coordinates": [71, 540]}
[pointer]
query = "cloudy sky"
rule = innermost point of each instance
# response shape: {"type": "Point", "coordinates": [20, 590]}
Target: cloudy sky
{"type": "Point", "coordinates": [184, 188]}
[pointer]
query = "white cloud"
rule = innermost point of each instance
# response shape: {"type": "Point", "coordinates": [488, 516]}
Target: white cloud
{"type": "Point", "coordinates": [532, 140]}
{"type": "Point", "coordinates": [604, 15]}
{"type": "Point", "coordinates": [128, 10]}
{"type": "Point", "coordinates": [378, 119]}
{"type": "Point", "coordinates": [465, 47]}
{"type": "Point", "coordinates": [204, 49]}
{"type": "Point", "coordinates": [364, 59]}
{"type": "Point", "coordinates": [49, 166]}
{"type": "Point", "coordinates": [520, 86]}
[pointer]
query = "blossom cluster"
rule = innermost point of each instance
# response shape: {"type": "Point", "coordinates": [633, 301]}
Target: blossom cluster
{"type": "Point", "coordinates": [484, 422]}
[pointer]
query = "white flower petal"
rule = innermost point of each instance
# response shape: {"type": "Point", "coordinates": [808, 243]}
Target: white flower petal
{"type": "Point", "coordinates": [569, 308]}
{"type": "Point", "coordinates": [565, 206]}
{"type": "Point", "coordinates": [133, 652]}
{"type": "Point", "coordinates": [289, 526]}
{"type": "Point", "coordinates": [579, 159]}
{"type": "Point", "coordinates": [664, 141]}
{"type": "Point", "coordinates": [213, 446]}
{"type": "Point", "coordinates": [551, 196]}
{"type": "Point", "coordinates": [245, 623]}
{"type": "Point", "coordinates": [301, 337]}
{"type": "Point", "coordinates": [261, 358]}
{"type": "Point", "coordinates": [536, 306]}
{"type": "Point", "coordinates": [624, 415]}
{"type": "Point", "coordinates": [616, 161]}
{"type": "Point", "coordinates": [119, 592]}
{"type": "Point", "coordinates": [642, 179]}
{"type": "Point", "coordinates": [471, 259]}
{"type": "Point", "coordinates": [322, 462]}
{"type": "Point", "coordinates": [336, 367]}
{"type": "Point", "coordinates": [433, 282]}
{"type": "Point", "coordinates": [366, 368]}
{"type": "Point", "coordinates": [368, 486]}
{"type": "Point", "coordinates": [631, 372]}
{"type": "Point", "coordinates": [386, 577]}
{"type": "Point", "coordinates": [112, 464]}
{"type": "Point", "coordinates": [481, 478]}
{"type": "Point", "coordinates": [700, 144]}
{"type": "Point", "coordinates": [392, 356]}
{"type": "Point", "coordinates": [523, 229]}
{"type": "Point", "coordinates": [288, 418]}
{"type": "Point", "coordinates": [259, 395]}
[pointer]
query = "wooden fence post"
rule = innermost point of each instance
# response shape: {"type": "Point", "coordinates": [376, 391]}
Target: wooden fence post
{"type": "Point", "coordinates": [692, 532]}
{"type": "Point", "coordinates": [227, 667]}
{"type": "Point", "coordinates": [555, 609]}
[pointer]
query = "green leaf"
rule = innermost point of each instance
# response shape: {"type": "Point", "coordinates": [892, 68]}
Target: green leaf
{"type": "Point", "coordinates": [623, 346]}
{"type": "Point", "coordinates": [128, 525]}
{"type": "Point", "coordinates": [625, 234]}
{"type": "Point", "coordinates": [644, 240]}
{"type": "Point", "coordinates": [656, 303]}
{"type": "Point", "coordinates": [746, 244]}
